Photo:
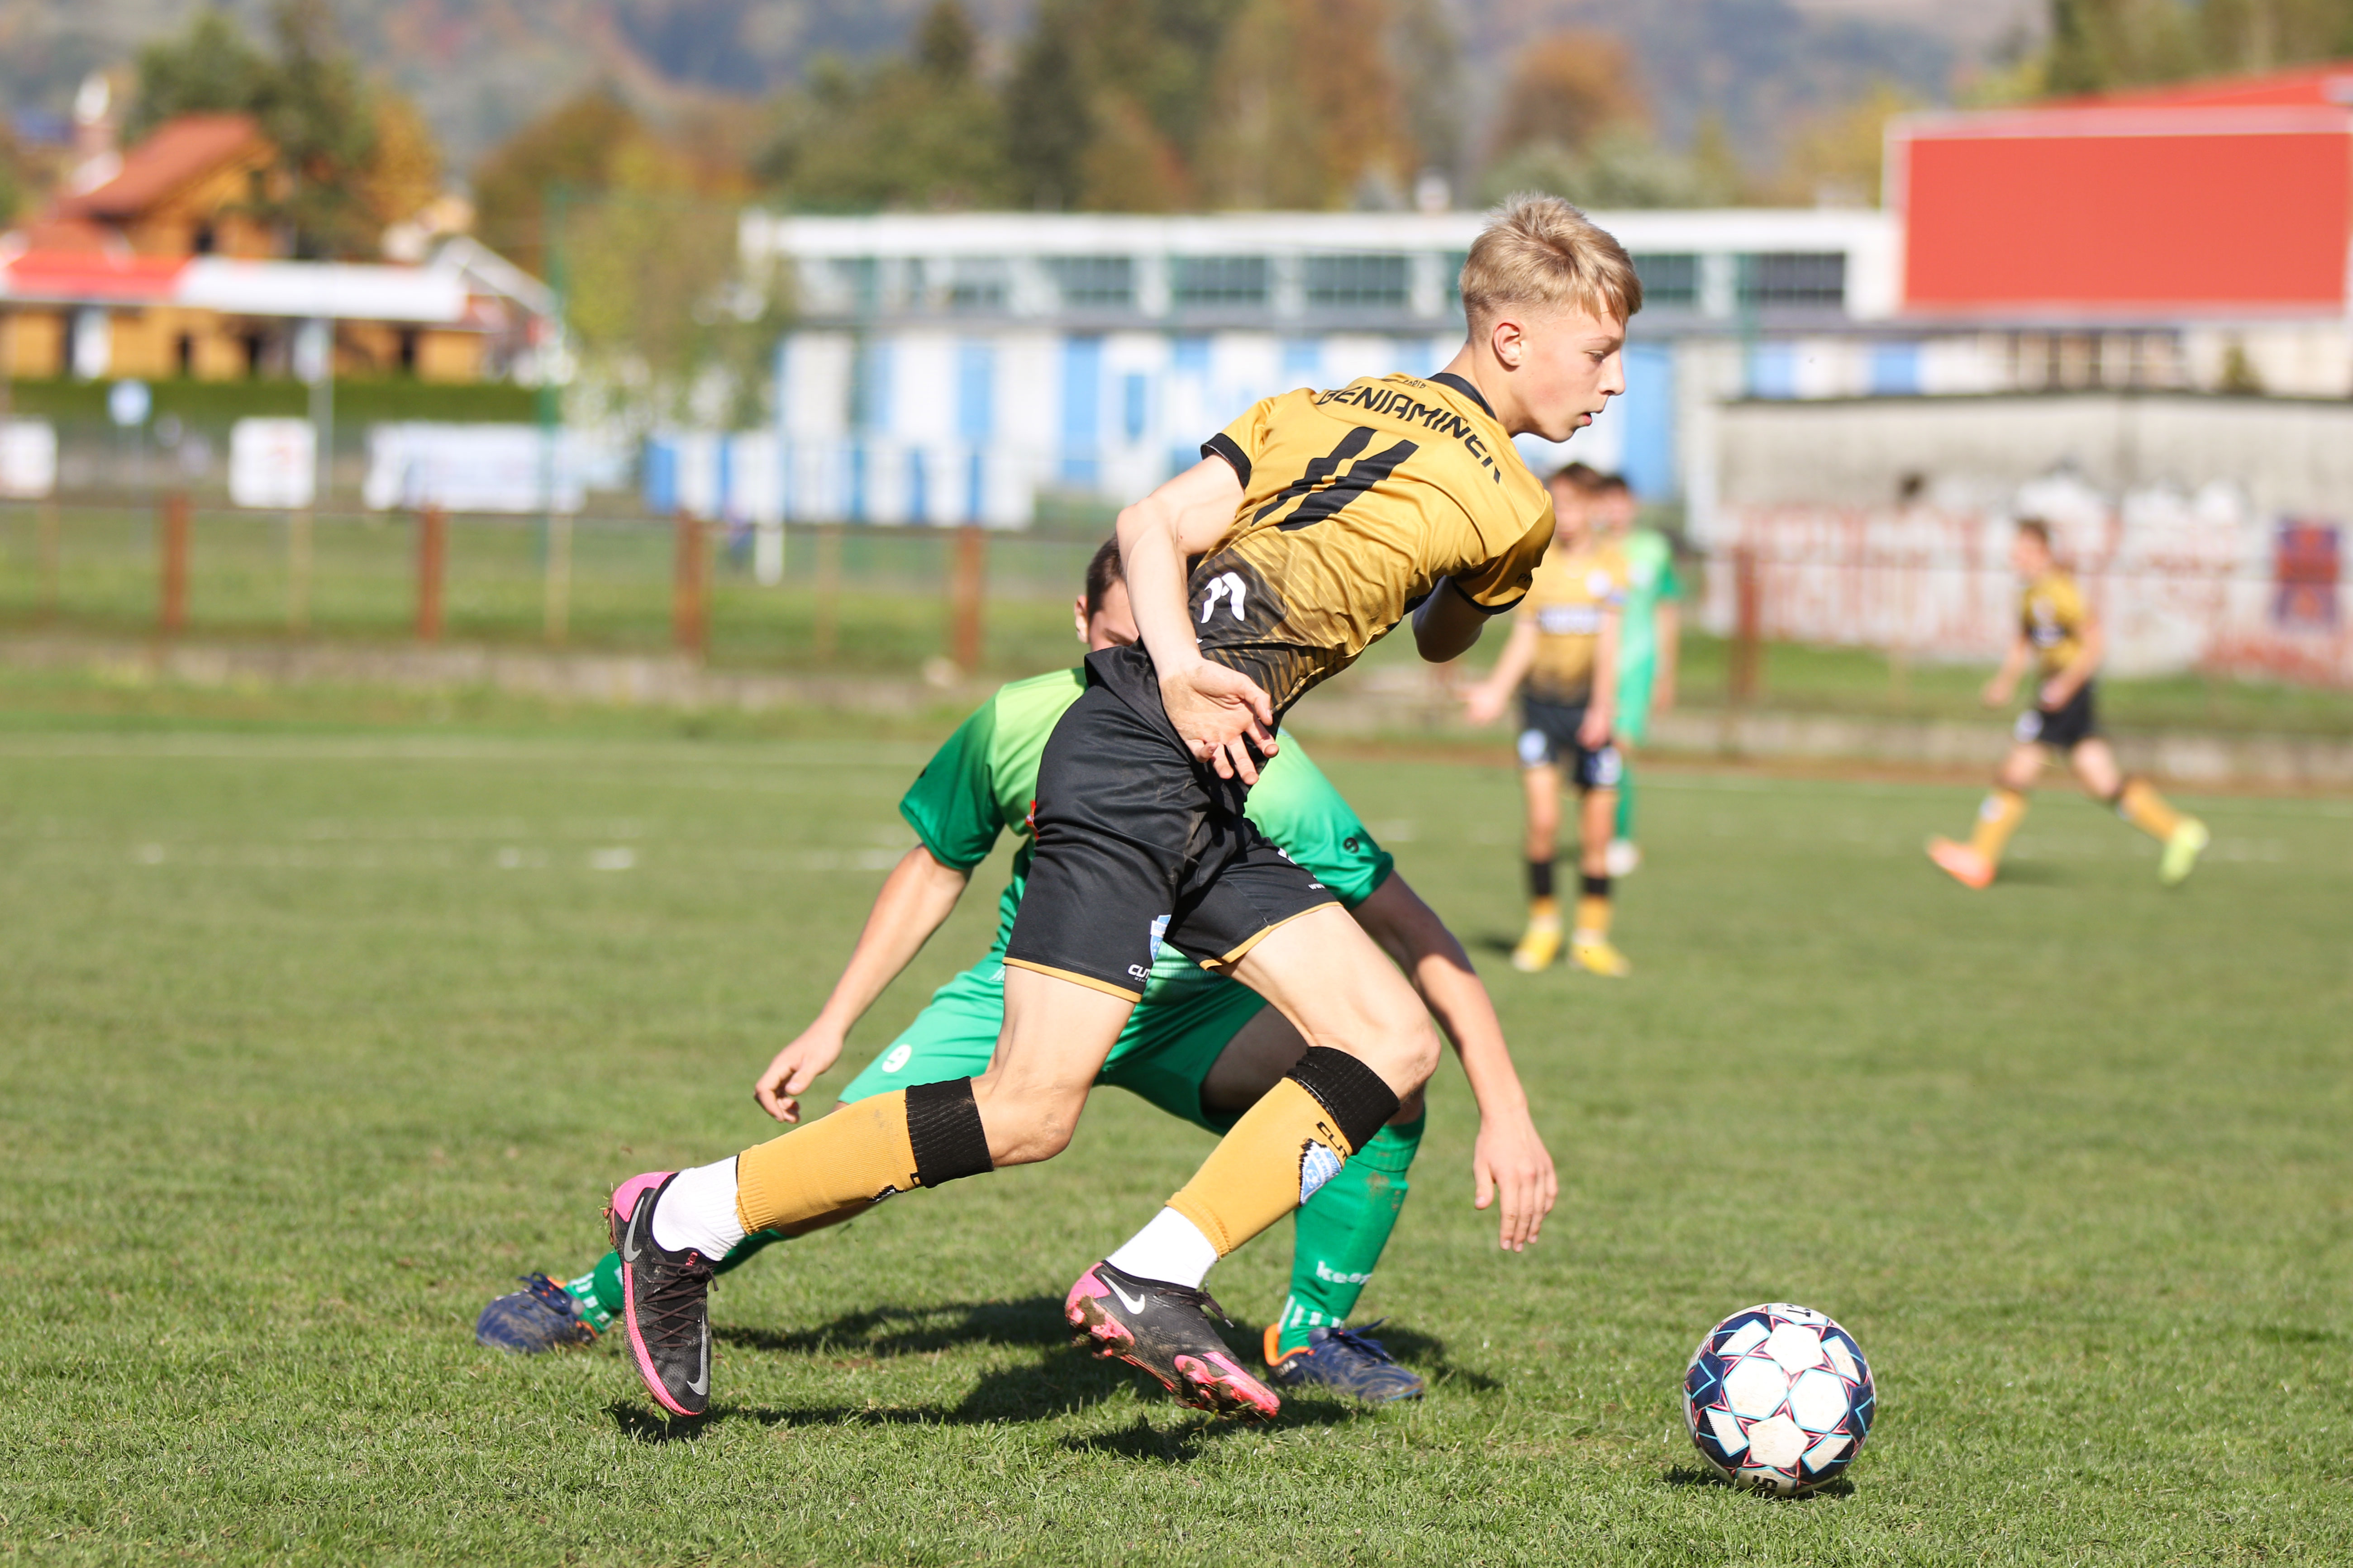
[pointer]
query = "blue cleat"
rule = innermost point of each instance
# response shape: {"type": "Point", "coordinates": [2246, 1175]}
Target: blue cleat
{"type": "Point", "coordinates": [1344, 1360]}
{"type": "Point", "coordinates": [540, 1316]}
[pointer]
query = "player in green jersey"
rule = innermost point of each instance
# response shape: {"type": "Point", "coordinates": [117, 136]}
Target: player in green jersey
{"type": "Point", "coordinates": [1650, 634]}
{"type": "Point", "coordinates": [1201, 1047]}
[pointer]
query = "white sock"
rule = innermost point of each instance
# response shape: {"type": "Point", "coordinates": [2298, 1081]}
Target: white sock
{"type": "Point", "coordinates": [1171, 1248]}
{"type": "Point", "coordinates": [699, 1210]}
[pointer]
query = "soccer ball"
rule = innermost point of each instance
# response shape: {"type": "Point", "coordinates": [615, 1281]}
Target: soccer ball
{"type": "Point", "coordinates": [1778, 1398]}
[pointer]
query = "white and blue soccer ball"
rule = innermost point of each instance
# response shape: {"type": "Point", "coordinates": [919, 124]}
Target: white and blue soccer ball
{"type": "Point", "coordinates": [1779, 1398]}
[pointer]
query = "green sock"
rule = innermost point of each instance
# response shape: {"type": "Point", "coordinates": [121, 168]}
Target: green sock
{"type": "Point", "coordinates": [598, 1291]}
{"type": "Point", "coordinates": [1625, 799]}
{"type": "Point", "coordinates": [1340, 1232]}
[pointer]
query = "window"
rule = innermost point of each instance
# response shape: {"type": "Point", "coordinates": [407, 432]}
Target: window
{"type": "Point", "coordinates": [1797, 278]}
{"type": "Point", "coordinates": [1095, 282]}
{"type": "Point", "coordinates": [977, 283]}
{"type": "Point", "coordinates": [1214, 281]}
{"type": "Point", "coordinates": [1358, 283]}
{"type": "Point", "coordinates": [1669, 282]}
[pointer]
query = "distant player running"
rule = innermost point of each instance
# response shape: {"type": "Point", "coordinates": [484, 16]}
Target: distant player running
{"type": "Point", "coordinates": [2059, 636]}
{"type": "Point", "coordinates": [1201, 1048]}
{"type": "Point", "coordinates": [1650, 646]}
{"type": "Point", "coordinates": [1564, 646]}
{"type": "Point", "coordinates": [1313, 525]}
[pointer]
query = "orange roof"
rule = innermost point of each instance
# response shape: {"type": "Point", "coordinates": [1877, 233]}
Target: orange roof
{"type": "Point", "coordinates": [2304, 87]}
{"type": "Point", "coordinates": [181, 150]}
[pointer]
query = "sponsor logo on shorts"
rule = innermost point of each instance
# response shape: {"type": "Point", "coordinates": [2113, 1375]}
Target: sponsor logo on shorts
{"type": "Point", "coordinates": [1159, 930]}
{"type": "Point", "coordinates": [1535, 749]}
{"type": "Point", "coordinates": [1608, 767]}
{"type": "Point", "coordinates": [2029, 727]}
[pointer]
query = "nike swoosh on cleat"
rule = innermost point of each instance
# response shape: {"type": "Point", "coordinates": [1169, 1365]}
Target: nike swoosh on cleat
{"type": "Point", "coordinates": [701, 1384]}
{"type": "Point", "coordinates": [630, 1247]}
{"type": "Point", "coordinates": [1133, 1303]}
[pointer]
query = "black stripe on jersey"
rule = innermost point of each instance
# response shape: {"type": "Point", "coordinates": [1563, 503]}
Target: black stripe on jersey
{"type": "Point", "coordinates": [1223, 446]}
{"type": "Point", "coordinates": [1447, 378]}
{"type": "Point", "coordinates": [1319, 471]}
{"type": "Point", "coordinates": [1362, 476]}
{"type": "Point", "coordinates": [1482, 609]}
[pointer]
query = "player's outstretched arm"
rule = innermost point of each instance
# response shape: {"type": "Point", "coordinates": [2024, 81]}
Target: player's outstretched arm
{"type": "Point", "coordinates": [1486, 700]}
{"type": "Point", "coordinates": [1509, 1160]}
{"type": "Point", "coordinates": [1600, 712]}
{"type": "Point", "coordinates": [2005, 679]}
{"type": "Point", "coordinates": [916, 896]}
{"type": "Point", "coordinates": [1214, 709]}
{"type": "Point", "coordinates": [1670, 637]}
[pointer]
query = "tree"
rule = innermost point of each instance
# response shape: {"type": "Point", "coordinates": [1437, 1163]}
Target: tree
{"type": "Point", "coordinates": [1311, 111]}
{"type": "Point", "coordinates": [2099, 45]}
{"type": "Point", "coordinates": [1834, 159]}
{"type": "Point", "coordinates": [349, 157]}
{"type": "Point", "coordinates": [1109, 102]}
{"type": "Point", "coordinates": [573, 146]}
{"type": "Point", "coordinates": [1566, 88]}
{"type": "Point", "coordinates": [923, 131]}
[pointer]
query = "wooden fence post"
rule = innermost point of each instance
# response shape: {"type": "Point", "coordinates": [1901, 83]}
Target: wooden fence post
{"type": "Point", "coordinates": [829, 592]}
{"type": "Point", "coordinates": [690, 620]}
{"type": "Point", "coordinates": [968, 588]}
{"type": "Point", "coordinates": [298, 570]}
{"type": "Point", "coordinates": [432, 560]}
{"type": "Point", "coordinates": [1747, 654]}
{"type": "Point", "coordinates": [49, 553]}
{"type": "Point", "coordinates": [558, 596]}
{"type": "Point", "coordinates": [173, 618]}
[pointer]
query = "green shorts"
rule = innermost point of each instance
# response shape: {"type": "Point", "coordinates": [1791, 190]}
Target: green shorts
{"type": "Point", "coordinates": [1631, 722]}
{"type": "Point", "coordinates": [1171, 1040]}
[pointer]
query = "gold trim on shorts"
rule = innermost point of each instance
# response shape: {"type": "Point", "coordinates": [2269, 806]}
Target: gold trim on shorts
{"type": "Point", "coordinates": [1089, 981]}
{"type": "Point", "coordinates": [1215, 965]}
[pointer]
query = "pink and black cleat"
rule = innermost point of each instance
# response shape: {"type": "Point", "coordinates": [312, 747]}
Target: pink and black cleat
{"type": "Point", "coordinates": [666, 1299]}
{"type": "Point", "coordinates": [1170, 1332]}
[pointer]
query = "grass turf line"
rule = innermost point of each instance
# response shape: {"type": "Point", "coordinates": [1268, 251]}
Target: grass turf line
{"type": "Point", "coordinates": [316, 1040]}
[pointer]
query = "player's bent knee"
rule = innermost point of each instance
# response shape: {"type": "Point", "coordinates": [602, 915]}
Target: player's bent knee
{"type": "Point", "coordinates": [1023, 1132]}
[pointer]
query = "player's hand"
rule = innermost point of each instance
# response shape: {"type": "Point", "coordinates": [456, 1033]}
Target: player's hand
{"type": "Point", "coordinates": [1510, 1159]}
{"type": "Point", "coordinates": [1995, 692]}
{"type": "Point", "coordinates": [1662, 694]}
{"type": "Point", "coordinates": [1483, 704]}
{"type": "Point", "coordinates": [1593, 732]}
{"type": "Point", "coordinates": [1216, 711]}
{"type": "Point", "coordinates": [2055, 694]}
{"type": "Point", "coordinates": [778, 1090]}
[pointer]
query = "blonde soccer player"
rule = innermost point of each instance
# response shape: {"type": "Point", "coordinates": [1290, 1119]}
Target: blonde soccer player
{"type": "Point", "coordinates": [2059, 637]}
{"type": "Point", "coordinates": [1316, 524]}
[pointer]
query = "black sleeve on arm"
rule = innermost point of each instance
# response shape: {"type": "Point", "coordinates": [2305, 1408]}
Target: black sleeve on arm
{"type": "Point", "coordinates": [1483, 609]}
{"type": "Point", "coordinates": [1222, 446]}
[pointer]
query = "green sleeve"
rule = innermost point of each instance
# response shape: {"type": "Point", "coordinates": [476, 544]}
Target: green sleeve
{"type": "Point", "coordinates": [950, 805]}
{"type": "Point", "coordinates": [1670, 585]}
{"type": "Point", "coordinates": [1294, 805]}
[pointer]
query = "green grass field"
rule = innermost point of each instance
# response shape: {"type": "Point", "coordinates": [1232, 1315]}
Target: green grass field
{"type": "Point", "coordinates": [317, 1034]}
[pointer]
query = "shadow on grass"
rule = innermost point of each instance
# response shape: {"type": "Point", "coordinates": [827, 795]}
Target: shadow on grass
{"type": "Point", "coordinates": [1144, 1442]}
{"type": "Point", "coordinates": [915, 1330]}
{"type": "Point", "coordinates": [1427, 1356]}
{"type": "Point", "coordinates": [1695, 1476]}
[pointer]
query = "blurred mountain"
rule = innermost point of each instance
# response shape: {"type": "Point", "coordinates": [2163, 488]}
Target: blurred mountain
{"type": "Point", "coordinates": [479, 69]}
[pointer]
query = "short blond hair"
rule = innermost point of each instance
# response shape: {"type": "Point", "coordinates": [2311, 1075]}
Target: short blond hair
{"type": "Point", "coordinates": [1540, 250]}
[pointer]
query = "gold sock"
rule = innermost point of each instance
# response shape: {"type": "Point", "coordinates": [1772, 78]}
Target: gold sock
{"type": "Point", "coordinates": [1998, 818]}
{"type": "Point", "coordinates": [857, 1155]}
{"type": "Point", "coordinates": [1593, 918]}
{"type": "Point", "coordinates": [1284, 1144]}
{"type": "Point", "coordinates": [2147, 810]}
{"type": "Point", "coordinates": [1543, 911]}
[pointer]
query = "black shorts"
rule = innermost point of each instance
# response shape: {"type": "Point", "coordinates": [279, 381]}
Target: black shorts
{"type": "Point", "coordinates": [1549, 740]}
{"type": "Point", "coordinates": [2063, 727]}
{"type": "Point", "coordinates": [1138, 844]}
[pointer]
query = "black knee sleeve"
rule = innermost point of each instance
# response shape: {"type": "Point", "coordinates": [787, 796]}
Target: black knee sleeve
{"type": "Point", "coordinates": [1540, 878]}
{"type": "Point", "coordinates": [1353, 1094]}
{"type": "Point", "coordinates": [945, 1131]}
{"type": "Point", "coordinates": [1596, 887]}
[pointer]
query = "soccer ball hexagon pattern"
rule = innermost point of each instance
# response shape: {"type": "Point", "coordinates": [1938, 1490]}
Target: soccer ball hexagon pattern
{"type": "Point", "coordinates": [1779, 1398]}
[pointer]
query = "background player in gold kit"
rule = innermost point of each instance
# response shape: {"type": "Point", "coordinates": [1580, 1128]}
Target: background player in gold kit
{"type": "Point", "coordinates": [2059, 635]}
{"type": "Point", "coordinates": [1564, 645]}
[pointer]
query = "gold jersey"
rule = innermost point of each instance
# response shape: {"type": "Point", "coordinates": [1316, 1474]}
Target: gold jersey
{"type": "Point", "coordinates": [1573, 592]}
{"type": "Point", "coordinates": [2050, 613]}
{"type": "Point", "coordinates": [1355, 505]}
